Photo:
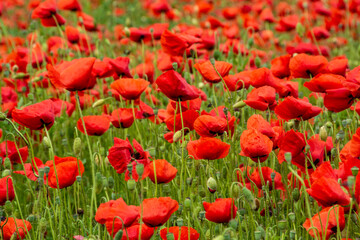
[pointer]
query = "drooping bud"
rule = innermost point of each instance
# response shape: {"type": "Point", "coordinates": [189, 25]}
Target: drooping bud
{"type": "Point", "coordinates": [212, 185]}
{"type": "Point", "coordinates": [239, 104]}
{"type": "Point", "coordinates": [323, 133]}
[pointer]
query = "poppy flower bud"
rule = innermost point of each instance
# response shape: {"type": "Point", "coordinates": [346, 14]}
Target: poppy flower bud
{"type": "Point", "coordinates": [187, 203]}
{"type": "Point", "coordinates": [77, 146]}
{"type": "Point", "coordinates": [5, 173]}
{"type": "Point", "coordinates": [15, 68]}
{"type": "Point", "coordinates": [329, 125]}
{"type": "Point", "coordinates": [323, 133]}
{"type": "Point", "coordinates": [201, 192]}
{"type": "Point", "coordinates": [78, 179]}
{"type": "Point", "coordinates": [180, 222]}
{"type": "Point", "coordinates": [258, 235]}
{"type": "Point", "coordinates": [239, 104]}
{"type": "Point", "coordinates": [296, 194]}
{"type": "Point", "coordinates": [8, 207]}
{"type": "Point", "coordinates": [47, 142]}
{"type": "Point", "coordinates": [2, 116]}
{"type": "Point", "coordinates": [300, 30]}
{"type": "Point", "coordinates": [130, 168]}
{"type": "Point", "coordinates": [292, 234]}
{"type": "Point", "coordinates": [288, 157]}
{"type": "Point", "coordinates": [119, 235]}
{"type": "Point", "coordinates": [212, 185]}
{"type": "Point", "coordinates": [111, 182]}
{"type": "Point", "coordinates": [175, 66]}
{"type": "Point", "coordinates": [177, 136]}
{"type": "Point", "coordinates": [99, 103]}
{"type": "Point", "coordinates": [170, 236]}
{"type": "Point", "coordinates": [7, 163]}
{"type": "Point", "coordinates": [257, 62]}
{"type": "Point", "coordinates": [127, 32]}
{"type": "Point", "coordinates": [235, 191]}
{"type": "Point", "coordinates": [355, 171]}
{"type": "Point", "coordinates": [20, 76]}
{"type": "Point", "coordinates": [292, 216]}
{"type": "Point", "coordinates": [131, 184]}
{"type": "Point", "coordinates": [282, 224]}
{"type": "Point", "coordinates": [140, 169]}
{"type": "Point", "coordinates": [248, 195]}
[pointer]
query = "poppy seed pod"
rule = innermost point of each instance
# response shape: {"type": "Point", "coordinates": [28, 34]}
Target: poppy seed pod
{"type": "Point", "coordinates": [139, 169]}
{"type": "Point", "coordinates": [354, 171]}
{"type": "Point", "coordinates": [131, 184]}
{"type": "Point", "coordinates": [212, 185]}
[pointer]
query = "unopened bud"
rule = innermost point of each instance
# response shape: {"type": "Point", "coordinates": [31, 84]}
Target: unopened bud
{"type": "Point", "coordinates": [131, 184]}
{"type": "Point", "coordinates": [177, 136]}
{"type": "Point", "coordinates": [355, 171]}
{"type": "Point", "coordinates": [6, 173]}
{"type": "Point", "coordinates": [212, 185]}
{"type": "Point", "coordinates": [139, 169]}
{"type": "Point", "coordinates": [99, 103]}
{"type": "Point", "coordinates": [239, 104]}
{"type": "Point", "coordinates": [323, 133]}
{"type": "Point", "coordinates": [47, 142]}
{"type": "Point", "coordinates": [77, 146]}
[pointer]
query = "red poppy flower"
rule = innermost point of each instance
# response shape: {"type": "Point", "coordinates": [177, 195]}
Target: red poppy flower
{"type": "Point", "coordinates": [172, 44]}
{"type": "Point", "coordinates": [122, 153]}
{"type": "Point", "coordinates": [263, 77]}
{"type": "Point", "coordinates": [257, 122]}
{"type": "Point", "coordinates": [35, 116]}
{"type": "Point", "coordinates": [75, 75]}
{"type": "Point", "coordinates": [294, 143]}
{"type": "Point", "coordinates": [95, 125]}
{"type": "Point", "coordinates": [87, 21]}
{"type": "Point", "coordinates": [208, 72]}
{"type": "Point", "coordinates": [161, 171]}
{"type": "Point", "coordinates": [266, 175]}
{"type": "Point", "coordinates": [71, 5]}
{"type": "Point", "coordinates": [67, 170]}
{"type": "Point", "coordinates": [108, 212]}
{"type": "Point", "coordinates": [280, 66]}
{"type": "Point", "coordinates": [188, 119]}
{"type": "Point", "coordinates": [13, 152]}
{"type": "Point", "coordinates": [338, 65]}
{"type": "Point", "coordinates": [60, 105]}
{"type": "Point", "coordinates": [31, 169]}
{"type": "Point", "coordinates": [6, 190]}
{"type": "Point", "coordinates": [303, 65]}
{"type": "Point", "coordinates": [11, 225]}
{"type": "Point", "coordinates": [157, 211]}
{"type": "Point", "coordinates": [130, 88]}
{"type": "Point", "coordinates": [185, 233]}
{"type": "Point", "coordinates": [262, 98]}
{"type": "Point", "coordinates": [208, 148]}
{"type": "Point", "coordinates": [47, 13]}
{"type": "Point", "coordinates": [72, 34]}
{"type": "Point", "coordinates": [328, 192]}
{"type": "Point", "coordinates": [132, 232]}
{"type": "Point", "coordinates": [325, 81]}
{"type": "Point", "coordinates": [122, 117]}
{"type": "Point", "coordinates": [210, 126]}
{"type": "Point", "coordinates": [8, 94]}
{"type": "Point", "coordinates": [293, 108]}
{"type": "Point", "coordinates": [120, 65]}
{"type": "Point", "coordinates": [255, 145]}
{"type": "Point", "coordinates": [175, 87]}
{"type": "Point", "coordinates": [337, 100]}
{"type": "Point", "coordinates": [326, 222]}
{"type": "Point", "coordinates": [238, 81]}
{"type": "Point", "coordinates": [220, 211]}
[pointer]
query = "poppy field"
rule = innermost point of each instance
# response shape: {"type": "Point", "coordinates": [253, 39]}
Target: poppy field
{"type": "Point", "coordinates": [179, 119]}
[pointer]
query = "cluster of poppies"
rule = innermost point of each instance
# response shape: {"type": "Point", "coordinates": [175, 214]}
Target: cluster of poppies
{"type": "Point", "coordinates": [164, 110]}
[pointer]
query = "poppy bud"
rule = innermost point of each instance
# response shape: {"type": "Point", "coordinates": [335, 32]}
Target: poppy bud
{"type": "Point", "coordinates": [212, 61]}
{"type": "Point", "coordinates": [130, 168]}
{"type": "Point", "coordinates": [272, 175]}
{"type": "Point", "coordinates": [15, 68]}
{"type": "Point", "coordinates": [7, 163]}
{"type": "Point", "coordinates": [170, 236]}
{"type": "Point", "coordinates": [111, 182]}
{"type": "Point", "coordinates": [250, 42]}
{"type": "Point", "coordinates": [139, 169]}
{"type": "Point", "coordinates": [212, 185]}
{"type": "Point", "coordinates": [323, 133]}
{"type": "Point", "coordinates": [177, 136]}
{"type": "Point", "coordinates": [201, 192]}
{"type": "Point", "coordinates": [180, 222]}
{"type": "Point", "coordinates": [78, 179]}
{"type": "Point", "coordinates": [47, 142]}
{"type": "Point", "coordinates": [235, 191]}
{"type": "Point", "coordinates": [127, 32]}
{"type": "Point", "coordinates": [131, 184]}
{"type": "Point", "coordinates": [20, 76]}
{"type": "Point", "coordinates": [175, 66]}
{"type": "Point", "coordinates": [258, 235]}
{"type": "Point", "coordinates": [328, 125]}
{"type": "Point", "coordinates": [355, 171]}
{"type": "Point", "coordinates": [300, 30]}
{"type": "Point", "coordinates": [233, 224]}
{"type": "Point", "coordinates": [292, 216]}
{"type": "Point", "coordinates": [239, 104]}
{"type": "Point", "coordinates": [217, 54]}
{"type": "Point", "coordinates": [119, 235]}
{"type": "Point", "coordinates": [187, 203]}
{"type": "Point", "coordinates": [282, 224]}
{"type": "Point", "coordinates": [2, 116]}
{"type": "Point", "coordinates": [257, 62]}
{"type": "Point", "coordinates": [5, 173]}
{"type": "Point", "coordinates": [77, 146]}
{"type": "Point", "coordinates": [296, 194]}
{"type": "Point", "coordinates": [8, 207]}
{"type": "Point", "coordinates": [202, 215]}
{"type": "Point", "coordinates": [248, 195]}
{"type": "Point", "coordinates": [288, 157]}
{"type": "Point", "coordinates": [351, 181]}
{"type": "Point", "coordinates": [99, 103]}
